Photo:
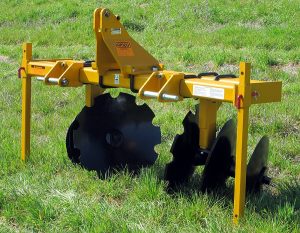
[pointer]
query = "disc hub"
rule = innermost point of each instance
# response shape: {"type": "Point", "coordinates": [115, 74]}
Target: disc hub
{"type": "Point", "coordinates": [114, 138]}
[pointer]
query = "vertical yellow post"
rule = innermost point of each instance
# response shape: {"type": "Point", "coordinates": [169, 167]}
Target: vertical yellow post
{"type": "Point", "coordinates": [243, 104]}
{"type": "Point", "coordinates": [26, 102]}
{"type": "Point", "coordinates": [91, 91]}
{"type": "Point", "coordinates": [207, 122]}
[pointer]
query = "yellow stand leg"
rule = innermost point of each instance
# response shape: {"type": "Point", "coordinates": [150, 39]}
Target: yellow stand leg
{"type": "Point", "coordinates": [26, 103]}
{"type": "Point", "coordinates": [91, 91]}
{"type": "Point", "coordinates": [241, 164]}
{"type": "Point", "coordinates": [241, 145]}
{"type": "Point", "coordinates": [207, 122]}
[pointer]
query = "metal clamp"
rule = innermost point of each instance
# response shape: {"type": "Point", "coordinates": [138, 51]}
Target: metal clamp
{"type": "Point", "coordinates": [189, 76]}
{"type": "Point", "coordinates": [19, 72]}
{"type": "Point", "coordinates": [131, 77]}
{"type": "Point", "coordinates": [238, 101]}
{"type": "Point", "coordinates": [218, 77]}
{"type": "Point", "coordinates": [88, 63]}
{"type": "Point", "coordinates": [207, 74]}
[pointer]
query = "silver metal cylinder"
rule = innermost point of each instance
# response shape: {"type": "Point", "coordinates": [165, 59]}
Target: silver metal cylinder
{"type": "Point", "coordinates": [169, 97]}
{"type": "Point", "coordinates": [53, 80]}
{"type": "Point", "coordinates": [40, 79]}
{"type": "Point", "coordinates": [153, 94]}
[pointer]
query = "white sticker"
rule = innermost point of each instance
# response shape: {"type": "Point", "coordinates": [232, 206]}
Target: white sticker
{"type": "Point", "coordinates": [210, 92]}
{"type": "Point", "coordinates": [115, 31]}
{"type": "Point", "coordinates": [117, 79]}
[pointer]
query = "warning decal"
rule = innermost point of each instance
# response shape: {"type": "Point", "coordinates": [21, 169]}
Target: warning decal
{"type": "Point", "coordinates": [124, 49]}
{"type": "Point", "coordinates": [210, 92]}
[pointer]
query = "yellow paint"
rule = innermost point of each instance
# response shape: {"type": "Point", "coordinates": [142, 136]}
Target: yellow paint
{"type": "Point", "coordinates": [116, 49]}
{"type": "Point", "coordinates": [153, 83]}
{"type": "Point", "coordinates": [57, 70]}
{"type": "Point", "coordinates": [162, 82]}
{"type": "Point", "coordinates": [187, 88]}
{"type": "Point", "coordinates": [241, 144]}
{"type": "Point", "coordinates": [265, 92]}
{"type": "Point", "coordinates": [89, 75]}
{"type": "Point", "coordinates": [26, 103]}
{"type": "Point", "coordinates": [71, 75]}
{"type": "Point", "coordinates": [91, 91]}
{"type": "Point", "coordinates": [207, 122]}
{"type": "Point", "coordinates": [171, 87]}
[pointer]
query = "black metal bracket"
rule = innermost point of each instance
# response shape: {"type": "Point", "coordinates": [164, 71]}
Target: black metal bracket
{"type": "Point", "coordinates": [200, 157]}
{"type": "Point", "coordinates": [101, 83]}
{"type": "Point", "coordinates": [131, 78]}
{"type": "Point", "coordinates": [88, 63]}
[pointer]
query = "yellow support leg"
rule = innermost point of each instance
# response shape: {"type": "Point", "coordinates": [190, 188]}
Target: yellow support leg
{"type": "Point", "coordinates": [241, 164]}
{"type": "Point", "coordinates": [26, 106]}
{"type": "Point", "coordinates": [242, 138]}
{"type": "Point", "coordinates": [207, 122]}
{"type": "Point", "coordinates": [26, 102]}
{"type": "Point", "coordinates": [92, 91]}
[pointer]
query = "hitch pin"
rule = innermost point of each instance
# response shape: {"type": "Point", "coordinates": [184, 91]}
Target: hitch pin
{"type": "Point", "coordinates": [153, 94]}
{"type": "Point", "coordinates": [53, 80]}
{"type": "Point", "coordinates": [40, 78]}
{"type": "Point", "coordinates": [49, 80]}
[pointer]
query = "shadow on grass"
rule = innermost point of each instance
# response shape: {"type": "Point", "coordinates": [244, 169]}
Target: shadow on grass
{"type": "Point", "coordinates": [280, 200]}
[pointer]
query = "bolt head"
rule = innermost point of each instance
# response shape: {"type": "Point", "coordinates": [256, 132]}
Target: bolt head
{"type": "Point", "coordinates": [160, 75]}
{"type": "Point", "coordinates": [106, 13]}
{"type": "Point", "coordinates": [154, 68]}
{"type": "Point", "coordinates": [65, 82]}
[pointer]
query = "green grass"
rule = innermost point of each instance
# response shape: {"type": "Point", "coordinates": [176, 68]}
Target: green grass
{"type": "Point", "coordinates": [49, 194]}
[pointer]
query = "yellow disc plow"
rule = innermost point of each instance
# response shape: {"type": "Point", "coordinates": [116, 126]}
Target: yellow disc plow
{"type": "Point", "coordinates": [111, 133]}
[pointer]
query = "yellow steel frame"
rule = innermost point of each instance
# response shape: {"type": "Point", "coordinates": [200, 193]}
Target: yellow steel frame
{"type": "Point", "coordinates": [122, 62]}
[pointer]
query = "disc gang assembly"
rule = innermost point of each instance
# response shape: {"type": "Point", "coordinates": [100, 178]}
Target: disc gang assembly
{"type": "Point", "coordinates": [113, 133]}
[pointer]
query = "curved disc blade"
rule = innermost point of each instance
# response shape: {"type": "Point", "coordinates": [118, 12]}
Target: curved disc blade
{"type": "Point", "coordinates": [183, 149]}
{"type": "Point", "coordinates": [115, 132]}
{"type": "Point", "coordinates": [73, 153]}
{"type": "Point", "coordinates": [257, 165]}
{"type": "Point", "coordinates": [188, 140]}
{"type": "Point", "coordinates": [220, 158]}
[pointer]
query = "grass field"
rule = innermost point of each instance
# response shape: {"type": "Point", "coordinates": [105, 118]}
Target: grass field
{"type": "Point", "coordinates": [49, 194]}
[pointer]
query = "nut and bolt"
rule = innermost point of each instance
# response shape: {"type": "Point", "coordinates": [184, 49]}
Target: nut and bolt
{"type": "Point", "coordinates": [106, 13]}
{"type": "Point", "coordinates": [255, 95]}
{"type": "Point", "coordinates": [154, 68]}
{"type": "Point", "coordinates": [64, 82]}
{"type": "Point", "coordinates": [160, 75]}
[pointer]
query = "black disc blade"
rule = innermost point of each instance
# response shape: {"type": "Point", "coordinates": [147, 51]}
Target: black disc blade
{"type": "Point", "coordinates": [73, 153]}
{"type": "Point", "coordinates": [114, 133]}
{"type": "Point", "coordinates": [188, 140]}
{"type": "Point", "coordinates": [184, 148]}
{"type": "Point", "coordinates": [257, 165]}
{"type": "Point", "coordinates": [220, 158]}
{"type": "Point", "coordinates": [178, 172]}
